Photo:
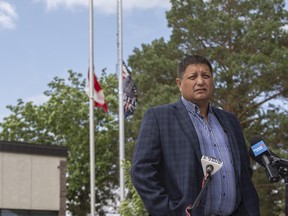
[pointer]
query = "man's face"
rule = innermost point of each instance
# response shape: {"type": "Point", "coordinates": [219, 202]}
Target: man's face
{"type": "Point", "coordinates": [196, 85]}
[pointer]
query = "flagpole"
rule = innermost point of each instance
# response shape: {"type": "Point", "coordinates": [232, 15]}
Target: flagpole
{"type": "Point", "coordinates": [91, 110]}
{"type": "Point", "coordinates": [121, 104]}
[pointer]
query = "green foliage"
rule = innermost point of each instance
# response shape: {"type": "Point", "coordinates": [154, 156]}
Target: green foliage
{"type": "Point", "coordinates": [64, 120]}
{"type": "Point", "coordinates": [245, 41]}
{"type": "Point", "coordinates": [133, 205]}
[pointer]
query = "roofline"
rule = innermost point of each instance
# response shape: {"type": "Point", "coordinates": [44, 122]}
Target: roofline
{"type": "Point", "coordinates": [35, 149]}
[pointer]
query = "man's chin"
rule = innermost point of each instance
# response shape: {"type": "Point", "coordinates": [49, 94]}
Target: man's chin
{"type": "Point", "coordinates": [199, 100]}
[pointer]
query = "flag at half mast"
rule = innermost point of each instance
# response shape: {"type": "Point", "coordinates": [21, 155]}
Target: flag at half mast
{"type": "Point", "coordinates": [129, 92]}
{"type": "Point", "coordinates": [98, 96]}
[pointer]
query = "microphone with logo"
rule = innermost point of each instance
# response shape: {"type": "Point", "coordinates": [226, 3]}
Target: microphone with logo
{"type": "Point", "coordinates": [274, 165]}
{"type": "Point", "coordinates": [210, 166]}
{"type": "Point", "coordinates": [261, 154]}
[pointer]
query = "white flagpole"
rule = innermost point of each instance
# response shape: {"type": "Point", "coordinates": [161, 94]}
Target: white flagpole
{"type": "Point", "coordinates": [121, 104]}
{"type": "Point", "coordinates": [91, 109]}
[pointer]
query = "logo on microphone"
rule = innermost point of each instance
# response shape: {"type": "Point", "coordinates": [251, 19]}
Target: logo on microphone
{"type": "Point", "coordinates": [259, 148]}
{"type": "Point", "coordinates": [214, 164]}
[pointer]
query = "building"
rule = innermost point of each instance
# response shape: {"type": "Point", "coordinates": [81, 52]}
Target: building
{"type": "Point", "coordinates": [32, 179]}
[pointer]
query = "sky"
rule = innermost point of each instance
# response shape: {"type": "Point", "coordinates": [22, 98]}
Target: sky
{"type": "Point", "coordinates": [42, 39]}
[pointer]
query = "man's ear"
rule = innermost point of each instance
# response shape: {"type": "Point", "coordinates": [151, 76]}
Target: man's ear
{"type": "Point", "coordinates": [178, 82]}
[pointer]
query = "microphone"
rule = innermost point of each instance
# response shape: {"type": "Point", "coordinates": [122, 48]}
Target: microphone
{"type": "Point", "coordinates": [261, 154]}
{"type": "Point", "coordinates": [211, 165]}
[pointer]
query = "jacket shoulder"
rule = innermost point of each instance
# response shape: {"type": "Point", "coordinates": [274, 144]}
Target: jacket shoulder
{"type": "Point", "coordinates": [222, 113]}
{"type": "Point", "coordinates": [169, 106]}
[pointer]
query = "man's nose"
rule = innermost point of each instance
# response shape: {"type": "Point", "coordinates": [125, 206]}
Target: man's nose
{"type": "Point", "coordinates": [200, 80]}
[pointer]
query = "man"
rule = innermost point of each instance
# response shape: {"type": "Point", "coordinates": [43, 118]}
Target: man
{"type": "Point", "coordinates": [166, 168]}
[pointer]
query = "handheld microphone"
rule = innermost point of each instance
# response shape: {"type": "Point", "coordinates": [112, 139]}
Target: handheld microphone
{"type": "Point", "coordinates": [261, 154]}
{"type": "Point", "coordinates": [211, 165]}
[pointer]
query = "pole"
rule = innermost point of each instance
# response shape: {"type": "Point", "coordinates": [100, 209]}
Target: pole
{"type": "Point", "coordinates": [91, 110]}
{"type": "Point", "coordinates": [121, 104]}
{"type": "Point", "coordinates": [200, 195]}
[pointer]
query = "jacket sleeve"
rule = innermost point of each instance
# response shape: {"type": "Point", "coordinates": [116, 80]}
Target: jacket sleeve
{"type": "Point", "coordinates": [145, 168]}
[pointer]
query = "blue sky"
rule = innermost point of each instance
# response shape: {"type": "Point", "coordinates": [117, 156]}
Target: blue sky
{"type": "Point", "coordinates": [42, 39]}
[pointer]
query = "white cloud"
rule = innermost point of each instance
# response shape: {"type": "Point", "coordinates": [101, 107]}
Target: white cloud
{"type": "Point", "coordinates": [8, 15]}
{"type": "Point", "coordinates": [107, 6]}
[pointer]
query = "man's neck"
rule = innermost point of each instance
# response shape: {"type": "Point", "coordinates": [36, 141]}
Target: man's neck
{"type": "Point", "coordinates": [203, 108]}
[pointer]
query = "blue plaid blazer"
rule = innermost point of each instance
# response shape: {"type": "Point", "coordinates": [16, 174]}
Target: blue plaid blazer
{"type": "Point", "coordinates": [166, 167]}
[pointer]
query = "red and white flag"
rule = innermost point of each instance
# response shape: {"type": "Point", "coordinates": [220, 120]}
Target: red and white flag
{"type": "Point", "coordinates": [99, 98]}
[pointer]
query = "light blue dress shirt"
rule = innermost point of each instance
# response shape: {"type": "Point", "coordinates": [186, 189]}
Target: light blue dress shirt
{"type": "Point", "coordinates": [221, 194]}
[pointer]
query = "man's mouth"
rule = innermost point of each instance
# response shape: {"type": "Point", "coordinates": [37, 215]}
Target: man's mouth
{"type": "Point", "coordinates": [200, 90]}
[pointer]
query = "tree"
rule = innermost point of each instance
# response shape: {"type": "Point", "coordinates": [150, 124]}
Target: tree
{"type": "Point", "coordinates": [64, 120]}
{"type": "Point", "coordinates": [245, 41]}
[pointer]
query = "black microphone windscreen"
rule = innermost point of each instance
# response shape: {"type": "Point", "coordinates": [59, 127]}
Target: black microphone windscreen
{"type": "Point", "coordinates": [255, 139]}
{"type": "Point", "coordinates": [261, 154]}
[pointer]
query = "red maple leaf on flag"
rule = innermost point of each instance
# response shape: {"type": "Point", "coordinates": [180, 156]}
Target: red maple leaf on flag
{"type": "Point", "coordinates": [99, 98]}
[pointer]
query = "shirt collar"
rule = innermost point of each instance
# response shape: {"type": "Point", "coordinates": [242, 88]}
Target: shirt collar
{"type": "Point", "coordinates": [193, 108]}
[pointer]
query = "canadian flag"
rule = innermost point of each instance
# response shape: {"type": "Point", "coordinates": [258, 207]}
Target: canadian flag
{"type": "Point", "coordinates": [99, 98]}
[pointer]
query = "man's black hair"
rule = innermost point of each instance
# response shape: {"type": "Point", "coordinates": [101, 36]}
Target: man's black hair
{"type": "Point", "coordinates": [191, 59]}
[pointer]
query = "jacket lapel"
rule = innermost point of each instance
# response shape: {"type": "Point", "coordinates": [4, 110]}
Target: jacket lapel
{"type": "Point", "coordinates": [187, 126]}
